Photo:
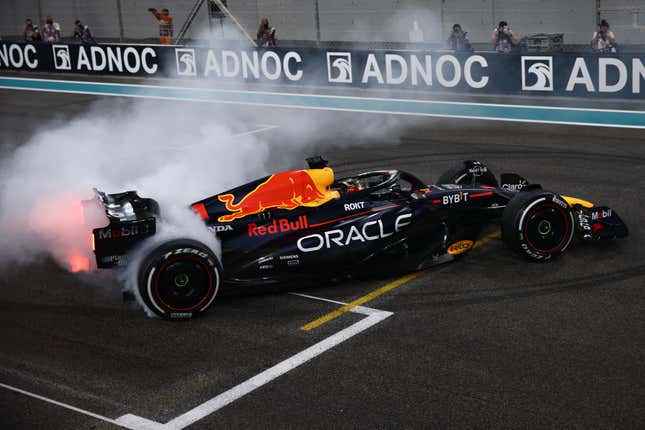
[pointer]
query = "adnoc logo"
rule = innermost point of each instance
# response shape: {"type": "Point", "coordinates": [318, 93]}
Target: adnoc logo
{"type": "Point", "coordinates": [537, 73]}
{"type": "Point", "coordinates": [339, 67]}
{"type": "Point", "coordinates": [185, 58]}
{"type": "Point", "coordinates": [62, 59]}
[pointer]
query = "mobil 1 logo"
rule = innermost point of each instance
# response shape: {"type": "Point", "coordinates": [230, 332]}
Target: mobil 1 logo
{"type": "Point", "coordinates": [537, 73]}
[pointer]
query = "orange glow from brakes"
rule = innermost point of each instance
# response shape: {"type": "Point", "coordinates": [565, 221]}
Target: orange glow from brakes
{"type": "Point", "coordinates": [78, 263]}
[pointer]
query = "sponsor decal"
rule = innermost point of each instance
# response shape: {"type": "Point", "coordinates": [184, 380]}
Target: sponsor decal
{"type": "Point", "coordinates": [266, 266]}
{"type": "Point", "coordinates": [562, 203]}
{"type": "Point", "coordinates": [106, 58]}
{"type": "Point", "coordinates": [16, 56]}
{"type": "Point", "coordinates": [583, 221]}
{"type": "Point", "coordinates": [289, 257]}
{"type": "Point", "coordinates": [265, 64]}
{"type": "Point", "coordinates": [181, 315]}
{"type": "Point", "coordinates": [339, 67]}
{"type": "Point", "coordinates": [123, 231]}
{"type": "Point", "coordinates": [285, 190]}
{"type": "Point", "coordinates": [278, 226]}
{"type": "Point", "coordinates": [220, 228]}
{"type": "Point", "coordinates": [515, 187]}
{"type": "Point", "coordinates": [188, 251]}
{"type": "Point", "coordinates": [417, 70]}
{"type": "Point", "coordinates": [354, 206]}
{"type": "Point", "coordinates": [113, 259]}
{"type": "Point", "coordinates": [451, 199]}
{"type": "Point", "coordinates": [477, 169]}
{"type": "Point", "coordinates": [533, 254]}
{"type": "Point", "coordinates": [265, 259]}
{"type": "Point", "coordinates": [293, 262]}
{"type": "Point", "coordinates": [113, 58]}
{"type": "Point", "coordinates": [62, 59]}
{"type": "Point", "coordinates": [460, 247]}
{"type": "Point", "coordinates": [185, 60]}
{"type": "Point", "coordinates": [539, 72]}
{"type": "Point", "coordinates": [601, 214]}
{"type": "Point", "coordinates": [370, 231]}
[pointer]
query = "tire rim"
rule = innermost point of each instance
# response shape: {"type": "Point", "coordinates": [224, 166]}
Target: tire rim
{"type": "Point", "coordinates": [183, 284]}
{"type": "Point", "coordinates": [546, 228]}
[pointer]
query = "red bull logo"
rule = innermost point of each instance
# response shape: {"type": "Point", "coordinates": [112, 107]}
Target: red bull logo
{"type": "Point", "coordinates": [286, 190]}
{"type": "Point", "coordinates": [278, 226]}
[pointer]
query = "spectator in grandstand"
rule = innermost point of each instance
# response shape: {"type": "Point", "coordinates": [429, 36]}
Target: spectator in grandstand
{"type": "Point", "coordinates": [503, 38]}
{"type": "Point", "coordinates": [83, 34]}
{"type": "Point", "coordinates": [165, 25]}
{"type": "Point", "coordinates": [603, 40]}
{"type": "Point", "coordinates": [266, 34]}
{"type": "Point", "coordinates": [51, 31]}
{"type": "Point", "coordinates": [458, 41]}
{"type": "Point", "coordinates": [31, 32]}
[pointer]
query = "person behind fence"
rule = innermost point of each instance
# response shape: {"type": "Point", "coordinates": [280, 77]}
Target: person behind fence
{"type": "Point", "coordinates": [458, 41]}
{"type": "Point", "coordinates": [51, 31]}
{"type": "Point", "coordinates": [504, 38]}
{"type": "Point", "coordinates": [603, 40]}
{"type": "Point", "coordinates": [31, 32]}
{"type": "Point", "coordinates": [266, 34]}
{"type": "Point", "coordinates": [83, 34]}
{"type": "Point", "coordinates": [165, 25]}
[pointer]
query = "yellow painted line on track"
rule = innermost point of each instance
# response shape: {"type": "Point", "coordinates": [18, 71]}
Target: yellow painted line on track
{"type": "Point", "coordinates": [484, 240]}
{"type": "Point", "coordinates": [338, 312]}
{"type": "Point", "coordinates": [379, 292]}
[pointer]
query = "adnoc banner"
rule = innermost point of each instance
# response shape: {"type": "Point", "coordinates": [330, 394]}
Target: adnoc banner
{"type": "Point", "coordinates": [579, 75]}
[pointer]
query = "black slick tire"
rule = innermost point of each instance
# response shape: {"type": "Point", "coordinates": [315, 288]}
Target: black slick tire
{"type": "Point", "coordinates": [179, 279]}
{"type": "Point", "coordinates": [538, 225]}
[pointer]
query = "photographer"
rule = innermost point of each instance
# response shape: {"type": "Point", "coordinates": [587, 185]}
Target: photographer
{"type": "Point", "coordinates": [266, 34]}
{"type": "Point", "coordinates": [83, 34]}
{"type": "Point", "coordinates": [31, 33]}
{"type": "Point", "coordinates": [604, 40]}
{"type": "Point", "coordinates": [165, 25]}
{"type": "Point", "coordinates": [503, 38]}
{"type": "Point", "coordinates": [51, 31]}
{"type": "Point", "coordinates": [458, 41]}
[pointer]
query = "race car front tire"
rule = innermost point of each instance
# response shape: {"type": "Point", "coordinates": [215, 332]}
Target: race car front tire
{"type": "Point", "coordinates": [179, 279]}
{"type": "Point", "coordinates": [538, 225]}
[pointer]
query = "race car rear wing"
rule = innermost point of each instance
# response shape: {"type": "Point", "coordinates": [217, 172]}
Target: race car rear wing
{"type": "Point", "coordinates": [130, 219]}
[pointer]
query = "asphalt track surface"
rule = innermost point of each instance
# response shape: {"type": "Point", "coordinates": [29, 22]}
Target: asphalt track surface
{"type": "Point", "coordinates": [489, 341]}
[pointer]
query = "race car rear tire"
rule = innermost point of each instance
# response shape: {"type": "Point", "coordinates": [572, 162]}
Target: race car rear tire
{"type": "Point", "coordinates": [179, 279]}
{"type": "Point", "coordinates": [538, 225]}
{"type": "Point", "coordinates": [460, 175]}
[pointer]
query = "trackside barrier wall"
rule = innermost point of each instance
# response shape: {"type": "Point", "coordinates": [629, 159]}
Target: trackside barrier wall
{"type": "Point", "coordinates": [578, 75]}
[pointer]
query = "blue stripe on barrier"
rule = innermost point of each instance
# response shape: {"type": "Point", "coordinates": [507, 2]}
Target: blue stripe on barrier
{"type": "Point", "coordinates": [522, 113]}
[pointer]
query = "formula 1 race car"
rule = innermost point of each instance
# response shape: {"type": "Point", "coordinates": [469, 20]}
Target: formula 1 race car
{"type": "Point", "coordinates": [307, 224]}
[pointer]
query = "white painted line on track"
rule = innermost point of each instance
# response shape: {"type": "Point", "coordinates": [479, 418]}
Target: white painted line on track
{"type": "Point", "coordinates": [256, 131]}
{"type": "Point", "coordinates": [324, 96]}
{"type": "Point", "coordinates": [374, 316]}
{"type": "Point", "coordinates": [356, 309]}
{"type": "Point", "coordinates": [134, 422]}
{"type": "Point", "coordinates": [261, 129]}
{"type": "Point", "coordinates": [63, 405]}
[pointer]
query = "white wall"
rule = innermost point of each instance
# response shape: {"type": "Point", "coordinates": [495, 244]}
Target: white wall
{"type": "Point", "coordinates": [345, 20]}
